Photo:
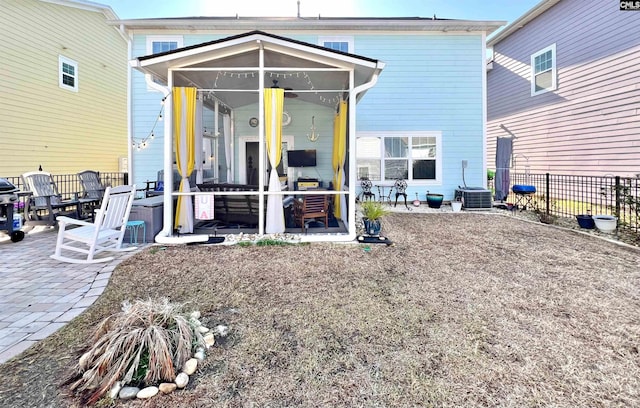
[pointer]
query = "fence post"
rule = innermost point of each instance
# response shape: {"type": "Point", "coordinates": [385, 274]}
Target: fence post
{"type": "Point", "coordinates": [547, 194]}
{"type": "Point", "coordinates": [618, 191]}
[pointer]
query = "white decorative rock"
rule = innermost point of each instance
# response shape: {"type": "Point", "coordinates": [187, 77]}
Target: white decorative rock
{"type": "Point", "coordinates": [167, 388]}
{"type": "Point", "coordinates": [200, 348]}
{"type": "Point", "coordinates": [182, 380]}
{"type": "Point", "coordinates": [195, 314]}
{"type": "Point", "coordinates": [222, 330]}
{"type": "Point", "coordinates": [113, 393]}
{"type": "Point", "coordinates": [203, 329]}
{"type": "Point", "coordinates": [195, 322]}
{"type": "Point", "coordinates": [127, 393]}
{"type": "Point", "coordinates": [190, 366]}
{"type": "Point", "coordinates": [209, 339]}
{"type": "Point", "coordinates": [147, 392]}
{"type": "Point", "coordinates": [199, 355]}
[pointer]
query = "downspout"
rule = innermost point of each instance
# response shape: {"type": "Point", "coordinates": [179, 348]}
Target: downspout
{"type": "Point", "coordinates": [130, 164]}
{"type": "Point", "coordinates": [352, 145]}
{"type": "Point", "coordinates": [484, 112]}
{"type": "Point", "coordinates": [351, 236]}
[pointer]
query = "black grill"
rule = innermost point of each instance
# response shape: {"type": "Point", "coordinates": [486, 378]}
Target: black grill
{"type": "Point", "coordinates": [8, 197]}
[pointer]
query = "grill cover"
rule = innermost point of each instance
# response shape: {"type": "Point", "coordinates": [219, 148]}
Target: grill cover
{"type": "Point", "coordinates": [6, 187]}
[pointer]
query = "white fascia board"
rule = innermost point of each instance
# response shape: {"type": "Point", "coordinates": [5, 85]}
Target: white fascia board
{"type": "Point", "coordinates": [201, 54]}
{"type": "Point", "coordinates": [306, 25]}
{"type": "Point", "coordinates": [86, 5]}
{"type": "Point", "coordinates": [316, 54]}
{"type": "Point", "coordinates": [523, 20]}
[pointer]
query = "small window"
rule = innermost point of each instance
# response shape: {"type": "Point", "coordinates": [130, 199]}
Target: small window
{"type": "Point", "coordinates": [158, 44]}
{"type": "Point", "coordinates": [343, 44]}
{"type": "Point", "coordinates": [543, 71]}
{"type": "Point", "coordinates": [68, 73]}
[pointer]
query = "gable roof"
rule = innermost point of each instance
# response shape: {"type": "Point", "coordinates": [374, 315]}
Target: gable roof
{"type": "Point", "coordinates": [304, 67]}
{"type": "Point", "coordinates": [249, 34]}
{"type": "Point", "coordinates": [523, 20]}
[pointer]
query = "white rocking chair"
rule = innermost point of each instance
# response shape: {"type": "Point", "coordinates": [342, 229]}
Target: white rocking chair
{"type": "Point", "coordinates": [104, 234]}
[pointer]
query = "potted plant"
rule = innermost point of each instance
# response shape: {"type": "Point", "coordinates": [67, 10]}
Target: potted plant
{"type": "Point", "coordinates": [434, 200]}
{"type": "Point", "coordinates": [585, 221]}
{"type": "Point", "coordinates": [372, 212]}
{"type": "Point", "coordinates": [605, 223]}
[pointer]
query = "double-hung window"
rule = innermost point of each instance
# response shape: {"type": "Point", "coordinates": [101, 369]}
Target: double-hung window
{"type": "Point", "coordinates": [67, 73]}
{"type": "Point", "coordinates": [338, 43]}
{"type": "Point", "coordinates": [389, 156]}
{"type": "Point", "coordinates": [543, 71]}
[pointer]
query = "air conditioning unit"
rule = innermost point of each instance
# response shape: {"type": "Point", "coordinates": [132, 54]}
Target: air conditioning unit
{"type": "Point", "coordinates": [474, 198]}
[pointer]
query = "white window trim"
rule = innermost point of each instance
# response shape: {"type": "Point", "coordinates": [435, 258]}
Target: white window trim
{"type": "Point", "coordinates": [411, 134]}
{"type": "Point", "coordinates": [554, 74]}
{"type": "Point", "coordinates": [163, 38]}
{"type": "Point", "coordinates": [178, 39]}
{"type": "Point", "coordinates": [68, 61]}
{"type": "Point", "coordinates": [337, 38]}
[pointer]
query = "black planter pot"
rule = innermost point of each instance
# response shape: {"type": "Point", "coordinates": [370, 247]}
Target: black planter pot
{"type": "Point", "coordinates": [585, 221]}
{"type": "Point", "coordinates": [372, 227]}
{"type": "Point", "coordinates": [434, 200]}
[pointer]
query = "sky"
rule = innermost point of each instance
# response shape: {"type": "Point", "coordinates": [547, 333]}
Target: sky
{"type": "Point", "coordinates": [491, 10]}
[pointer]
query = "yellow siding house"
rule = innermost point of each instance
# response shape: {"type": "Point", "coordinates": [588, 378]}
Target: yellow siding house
{"type": "Point", "coordinates": [63, 87]}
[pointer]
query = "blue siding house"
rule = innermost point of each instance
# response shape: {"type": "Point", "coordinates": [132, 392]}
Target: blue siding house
{"type": "Point", "coordinates": [410, 91]}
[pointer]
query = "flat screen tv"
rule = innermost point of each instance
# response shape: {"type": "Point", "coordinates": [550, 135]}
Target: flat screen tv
{"type": "Point", "coordinates": [301, 158]}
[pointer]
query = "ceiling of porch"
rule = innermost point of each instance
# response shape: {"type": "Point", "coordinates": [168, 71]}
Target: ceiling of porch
{"type": "Point", "coordinates": [229, 69]}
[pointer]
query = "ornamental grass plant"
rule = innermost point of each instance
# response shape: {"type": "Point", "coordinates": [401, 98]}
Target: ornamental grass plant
{"type": "Point", "coordinates": [146, 343]}
{"type": "Point", "coordinates": [373, 210]}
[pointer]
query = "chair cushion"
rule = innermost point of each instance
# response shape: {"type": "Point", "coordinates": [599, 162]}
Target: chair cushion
{"type": "Point", "coordinates": [523, 189]}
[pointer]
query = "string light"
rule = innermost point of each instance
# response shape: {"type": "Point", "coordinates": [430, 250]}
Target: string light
{"type": "Point", "coordinates": [140, 144]}
{"type": "Point", "coordinates": [327, 101]}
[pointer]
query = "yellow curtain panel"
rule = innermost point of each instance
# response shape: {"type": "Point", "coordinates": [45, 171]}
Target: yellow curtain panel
{"type": "Point", "coordinates": [339, 154]}
{"type": "Point", "coordinates": [184, 119]}
{"type": "Point", "coordinates": [273, 108]}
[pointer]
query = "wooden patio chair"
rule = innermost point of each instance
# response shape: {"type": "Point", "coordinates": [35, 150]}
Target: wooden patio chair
{"type": "Point", "coordinates": [311, 207]}
{"type": "Point", "coordinates": [105, 233]}
{"type": "Point", "coordinates": [45, 202]}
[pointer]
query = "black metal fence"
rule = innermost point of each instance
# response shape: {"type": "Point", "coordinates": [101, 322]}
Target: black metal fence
{"type": "Point", "coordinates": [568, 196]}
{"type": "Point", "coordinates": [69, 184]}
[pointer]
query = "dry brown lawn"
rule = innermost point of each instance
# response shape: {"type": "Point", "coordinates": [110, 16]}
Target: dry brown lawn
{"type": "Point", "coordinates": [466, 310]}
